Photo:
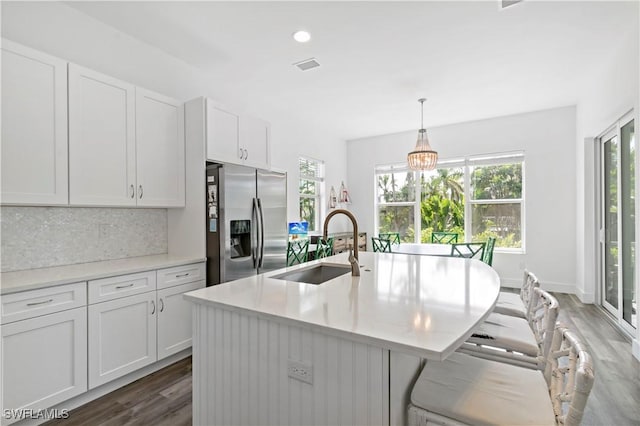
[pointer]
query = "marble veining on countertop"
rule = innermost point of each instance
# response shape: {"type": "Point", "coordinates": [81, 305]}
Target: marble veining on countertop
{"type": "Point", "coordinates": [424, 305]}
{"type": "Point", "coordinates": [12, 282]}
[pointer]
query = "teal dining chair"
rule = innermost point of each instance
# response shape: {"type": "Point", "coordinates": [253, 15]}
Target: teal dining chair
{"type": "Point", "coordinates": [468, 250]}
{"type": "Point", "coordinates": [297, 252]}
{"type": "Point", "coordinates": [487, 256]}
{"type": "Point", "coordinates": [324, 248]}
{"type": "Point", "coordinates": [393, 237]}
{"type": "Point", "coordinates": [381, 245]}
{"type": "Point", "coordinates": [444, 237]}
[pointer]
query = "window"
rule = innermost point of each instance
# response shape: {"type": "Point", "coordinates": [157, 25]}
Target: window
{"type": "Point", "coordinates": [395, 195]}
{"type": "Point", "coordinates": [475, 197]}
{"type": "Point", "coordinates": [442, 201]}
{"type": "Point", "coordinates": [311, 189]}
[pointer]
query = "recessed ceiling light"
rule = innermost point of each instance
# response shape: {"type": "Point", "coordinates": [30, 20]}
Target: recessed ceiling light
{"type": "Point", "coordinates": [301, 36]}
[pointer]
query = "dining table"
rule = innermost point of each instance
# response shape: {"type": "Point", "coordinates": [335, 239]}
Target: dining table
{"type": "Point", "coordinates": [422, 249]}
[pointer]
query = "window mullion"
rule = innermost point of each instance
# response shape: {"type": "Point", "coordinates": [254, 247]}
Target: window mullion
{"type": "Point", "coordinates": [467, 203]}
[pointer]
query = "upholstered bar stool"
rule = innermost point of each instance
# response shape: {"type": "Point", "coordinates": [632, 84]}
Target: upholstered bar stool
{"type": "Point", "coordinates": [517, 305]}
{"type": "Point", "coordinates": [465, 390]}
{"type": "Point", "coordinates": [516, 340]}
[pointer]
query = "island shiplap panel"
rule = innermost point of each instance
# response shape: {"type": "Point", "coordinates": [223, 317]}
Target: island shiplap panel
{"type": "Point", "coordinates": [240, 370]}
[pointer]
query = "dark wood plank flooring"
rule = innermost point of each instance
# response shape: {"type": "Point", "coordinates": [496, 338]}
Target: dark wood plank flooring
{"type": "Point", "coordinates": [164, 398]}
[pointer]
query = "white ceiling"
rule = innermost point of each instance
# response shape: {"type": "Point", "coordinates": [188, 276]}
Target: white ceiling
{"type": "Point", "coordinates": [470, 59]}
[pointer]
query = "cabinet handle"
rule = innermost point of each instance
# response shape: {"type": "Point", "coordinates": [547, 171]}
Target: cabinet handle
{"type": "Point", "coordinates": [182, 275]}
{"type": "Point", "coordinates": [133, 191]}
{"type": "Point", "coordinates": [39, 303]}
{"type": "Point", "coordinates": [118, 287]}
{"type": "Point", "coordinates": [140, 190]}
{"type": "Point", "coordinates": [153, 303]}
{"type": "Point", "coordinates": [241, 153]}
{"type": "Point", "coordinates": [161, 305]}
{"type": "Point", "coordinates": [246, 154]}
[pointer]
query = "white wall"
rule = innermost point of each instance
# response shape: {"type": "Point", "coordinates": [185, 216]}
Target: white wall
{"type": "Point", "coordinates": [547, 139]}
{"type": "Point", "coordinates": [69, 34]}
{"type": "Point", "coordinates": [614, 92]}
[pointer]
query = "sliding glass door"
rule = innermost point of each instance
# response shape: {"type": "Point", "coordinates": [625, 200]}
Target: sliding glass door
{"type": "Point", "coordinates": [617, 222]}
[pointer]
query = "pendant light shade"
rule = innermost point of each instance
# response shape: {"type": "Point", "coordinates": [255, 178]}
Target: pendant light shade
{"type": "Point", "coordinates": [423, 157]}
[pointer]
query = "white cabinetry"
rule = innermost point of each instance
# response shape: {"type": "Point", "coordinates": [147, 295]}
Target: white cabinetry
{"type": "Point", "coordinates": [44, 357]}
{"type": "Point", "coordinates": [102, 152]}
{"type": "Point", "coordinates": [160, 150]}
{"type": "Point", "coordinates": [122, 337]}
{"type": "Point", "coordinates": [254, 139]}
{"type": "Point", "coordinates": [132, 325]}
{"type": "Point", "coordinates": [174, 319]}
{"type": "Point", "coordinates": [126, 144]}
{"type": "Point", "coordinates": [235, 138]}
{"type": "Point", "coordinates": [34, 127]}
{"type": "Point", "coordinates": [71, 135]}
{"type": "Point", "coordinates": [222, 127]}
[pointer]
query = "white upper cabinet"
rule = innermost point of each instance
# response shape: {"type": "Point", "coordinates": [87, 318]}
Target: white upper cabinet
{"type": "Point", "coordinates": [34, 127]}
{"type": "Point", "coordinates": [254, 140]}
{"type": "Point", "coordinates": [160, 150]}
{"type": "Point", "coordinates": [235, 138]}
{"type": "Point", "coordinates": [222, 134]}
{"type": "Point", "coordinates": [102, 154]}
{"type": "Point", "coordinates": [126, 144]}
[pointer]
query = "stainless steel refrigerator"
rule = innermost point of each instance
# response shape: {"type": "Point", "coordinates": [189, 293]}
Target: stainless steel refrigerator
{"type": "Point", "coordinates": [246, 222]}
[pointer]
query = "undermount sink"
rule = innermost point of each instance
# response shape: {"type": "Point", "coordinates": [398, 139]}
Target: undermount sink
{"type": "Point", "coordinates": [317, 274]}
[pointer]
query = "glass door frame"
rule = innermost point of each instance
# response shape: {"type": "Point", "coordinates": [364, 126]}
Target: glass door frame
{"type": "Point", "coordinates": [612, 132]}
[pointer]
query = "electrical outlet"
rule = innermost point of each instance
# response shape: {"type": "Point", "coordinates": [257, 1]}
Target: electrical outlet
{"type": "Point", "coordinates": [300, 371]}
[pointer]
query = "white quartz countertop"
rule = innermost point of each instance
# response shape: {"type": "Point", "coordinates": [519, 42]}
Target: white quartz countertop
{"type": "Point", "coordinates": [424, 305]}
{"type": "Point", "coordinates": [13, 282]}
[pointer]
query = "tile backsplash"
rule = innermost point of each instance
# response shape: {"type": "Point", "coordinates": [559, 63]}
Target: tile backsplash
{"type": "Point", "coordinates": [39, 237]}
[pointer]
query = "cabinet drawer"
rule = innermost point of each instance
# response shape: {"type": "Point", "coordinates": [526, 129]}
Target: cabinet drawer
{"type": "Point", "coordinates": [339, 244]}
{"type": "Point", "coordinates": [33, 303]}
{"type": "Point", "coordinates": [181, 275]}
{"type": "Point", "coordinates": [121, 286]}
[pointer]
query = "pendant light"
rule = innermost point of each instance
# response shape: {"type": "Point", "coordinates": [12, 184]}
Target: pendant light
{"type": "Point", "coordinates": [422, 157]}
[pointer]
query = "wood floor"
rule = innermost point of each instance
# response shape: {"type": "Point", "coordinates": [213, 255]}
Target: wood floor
{"type": "Point", "coordinates": [164, 398]}
{"type": "Point", "coordinates": [615, 397]}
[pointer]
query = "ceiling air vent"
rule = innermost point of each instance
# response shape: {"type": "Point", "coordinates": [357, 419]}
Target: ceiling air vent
{"type": "Point", "coordinates": [307, 64]}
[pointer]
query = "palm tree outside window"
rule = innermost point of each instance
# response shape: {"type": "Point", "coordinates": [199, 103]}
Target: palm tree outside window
{"type": "Point", "coordinates": [475, 197]}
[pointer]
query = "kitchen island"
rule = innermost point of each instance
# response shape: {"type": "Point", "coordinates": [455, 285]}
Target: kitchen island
{"type": "Point", "coordinates": [275, 351]}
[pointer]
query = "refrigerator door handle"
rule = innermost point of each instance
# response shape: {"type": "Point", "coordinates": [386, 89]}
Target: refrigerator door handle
{"type": "Point", "coordinates": [260, 259]}
{"type": "Point", "coordinates": [254, 219]}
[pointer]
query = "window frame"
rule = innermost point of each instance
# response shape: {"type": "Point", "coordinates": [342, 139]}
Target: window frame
{"type": "Point", "coordinates": [320, 190]}
{"type": "Point", "coordinates": [495, 160]}
{"type": "Point", "coordinates": [466, 164]}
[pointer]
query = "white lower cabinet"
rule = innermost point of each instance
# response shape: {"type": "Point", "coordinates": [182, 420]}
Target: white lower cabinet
{"type": "Point", "coordinates": [174, 319]}
{"type": "Point", "coordinates": [54, 347]}
{"type": "Point", "coordinates": [44, 360]}
{"type": "Point", "coordinates": [122, 337]}
{"type": "Point", "coordinates": [134, 331]}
